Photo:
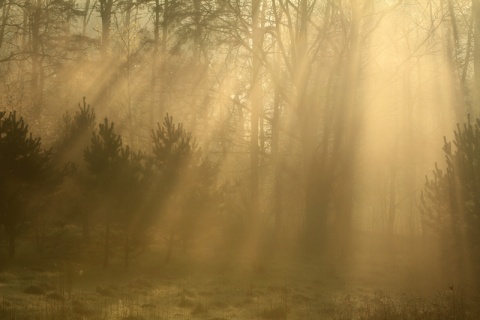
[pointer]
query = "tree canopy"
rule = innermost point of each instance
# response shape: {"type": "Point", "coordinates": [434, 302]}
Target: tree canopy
{"type": "Point", "coordinates": [25, 169]}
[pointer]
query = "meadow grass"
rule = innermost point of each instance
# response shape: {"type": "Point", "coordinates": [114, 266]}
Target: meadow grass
{"type": "Point", "coordinates": [40, 296]}
{"type": "Point", "coordinates": [277, 287]}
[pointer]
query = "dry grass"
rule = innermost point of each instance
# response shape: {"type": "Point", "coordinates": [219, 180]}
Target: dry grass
{"type": "Point", "coordinates": [281, 289]}
{"type": "Point", "coordinates": [213, 296]}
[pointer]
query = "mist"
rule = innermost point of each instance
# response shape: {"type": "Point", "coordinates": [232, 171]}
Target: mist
{"type": "Point", "coordinates": [239, 159]}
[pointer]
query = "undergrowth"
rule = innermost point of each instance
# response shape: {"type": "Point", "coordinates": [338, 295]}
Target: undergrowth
{"type": "Point", "coordinates": [136, 304]}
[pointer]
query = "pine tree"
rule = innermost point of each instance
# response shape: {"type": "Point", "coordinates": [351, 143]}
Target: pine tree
{"type": "Point", "coordinates": [75, 134]}
{"type": "Point", "coordinates": [174, 150]}
{"type": "Point", "coordinates": [25, 169]}
{"type": "Point", "coordinates": [185, 180]}
{"type": "Point", "coordinates": [450, 201]}
{"type": "Point", "coordinates": [117, 176]}
{"type": "Point", "coordinates": [74, 138]}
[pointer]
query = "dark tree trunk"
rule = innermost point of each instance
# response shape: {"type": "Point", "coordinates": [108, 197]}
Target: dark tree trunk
{"type": "Point", "coordinates": [37, 76]}
{"type": "Point", "coordinates": [317, 199]}
{"type": "Point", "coordinates": [127, 250]}
{"type": "Point", "coordinates": [11, 237]}
{"type": "Point", "coordinates": [476, 56]}
{"type": "Point", "coordinates": [106, 15]}
{"type": "Point", "coordinates": [277, 186]}
{"type": "Point", "coordinates": [5, 16]}
{"type": "Point", "coordinates": [348, 125]}
{"type": "Point", "coordinates": [153, 79]}
{"type": "Point", "coordinates": [168, 257]}
{"type": "Point", "coordinates": [86, 229]}
{"type": "Point", "coordinates": [106, 254]}
{"type": "Point", "coordinates": [256, 105]}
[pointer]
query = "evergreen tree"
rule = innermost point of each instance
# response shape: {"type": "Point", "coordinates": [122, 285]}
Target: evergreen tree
{"type": "Point", "coordinates": [174, 150]}
{"type": "Point", "coordinates": [116, 181]}
{"type": "Point", "coordinates": [74, 138]}
{"type": "Point", "coordinates": [185, 180]}
{"type": "Point", "coordinates": [450, 201]}
{"type": "Point", "coordinates": [75, 134]}
{"type": "Point", "coordinates": [25, 170]}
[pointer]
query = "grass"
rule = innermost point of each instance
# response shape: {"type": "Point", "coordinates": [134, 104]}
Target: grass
{"type": "Point", "coordinates": [226, 298]}
{"type": "Point", "coordinates": [282, 289]}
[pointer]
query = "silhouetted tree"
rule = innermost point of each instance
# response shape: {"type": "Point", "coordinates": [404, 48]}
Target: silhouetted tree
{"type": "Point", "coordinates": [450, 201]}
{"type": "Point", "coordinates": [200, 200]}
{"type": "Point", "coordinates": [183, 178]}
{"type": "Point", "coordinates": [25, 169]}
{"type": "Point", "coordinates": [116, 174]}
{"type": "Point", "coordinates": [75, 134]}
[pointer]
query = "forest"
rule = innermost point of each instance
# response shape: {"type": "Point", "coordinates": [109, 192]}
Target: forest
{"type": "Point", "coordinates": [239, 159]}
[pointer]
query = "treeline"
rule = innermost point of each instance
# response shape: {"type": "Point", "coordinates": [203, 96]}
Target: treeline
{"type": "Point", "coordinates": [280, 91]}
{"type": "Point", "coordinates": [326, 114]}
{"type": "Point", "coordinates": [92, 180]}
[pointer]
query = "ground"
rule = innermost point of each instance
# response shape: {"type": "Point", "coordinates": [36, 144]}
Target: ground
{"type": "Point", "coordinates": [277, 287]}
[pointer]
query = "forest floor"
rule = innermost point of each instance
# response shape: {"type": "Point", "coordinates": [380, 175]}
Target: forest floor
{"type": "Point", "coordinates": [279, 288]}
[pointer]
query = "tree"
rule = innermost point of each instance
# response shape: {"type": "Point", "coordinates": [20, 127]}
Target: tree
{"type": "Point", "coordinates": [25, 168]}
{"type": "Point", "coordinates": [450, 201]}
{"type": "Point", "coordinates": [70, 198]}
{"type": "Point", "coordinates": [75, 134]}
{"type": "Point", "coordinates": [180, 175]}
{"type": "Point", "coordinates": [115, 178]}
{"type": "Point", "coordinates": [256, 107]}
{"type": "Point", "coordinates": [48, 46]}
{"type": "Point", "coordinates": [106, 10]}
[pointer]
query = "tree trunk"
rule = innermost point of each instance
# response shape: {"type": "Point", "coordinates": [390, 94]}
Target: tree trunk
{"type": "Point", "coordinates": [153, 79]}
{"type": "Point", "coordinates": [37, 63]}
{"type": "Point", "coordinates": [128, 70]}
{"type": "Point", "coordinates": [348, 124]}
{"type": "Point", "coordinates": [197, 36]}
{"type": "Point", "coordinates": [11, 237]}
{"type": "Point", "coordinates": [391, 218]}
{"type": "Point", "coordinates": [476, 57]}
{"type": "Point", "coordinates": [106, 254]}
{"type": "Point", "coordinates": [85, 17]}
{"type": "Point", "coordinates": [170, 242]}
{"type": "Point", "coordinates": [317, 198]}
{"type": "Point", "coordinates": [5, 17]}
{"type": "Point", "coordinates": [106, 15]}
{"type": "Point", "coordinates": [256, 106]}
{"type": "Point", "coordinates": [162, 103]}
{"type": "Point", "coordinates": [85, 228]}
{"type": "Point", "coordinates": [127, 250]}
{"type": "Point", "coordinates": [277, 184]}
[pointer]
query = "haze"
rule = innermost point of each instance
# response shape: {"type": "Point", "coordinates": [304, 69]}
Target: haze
{"type": "Point", "coordinates": [221, 159]}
